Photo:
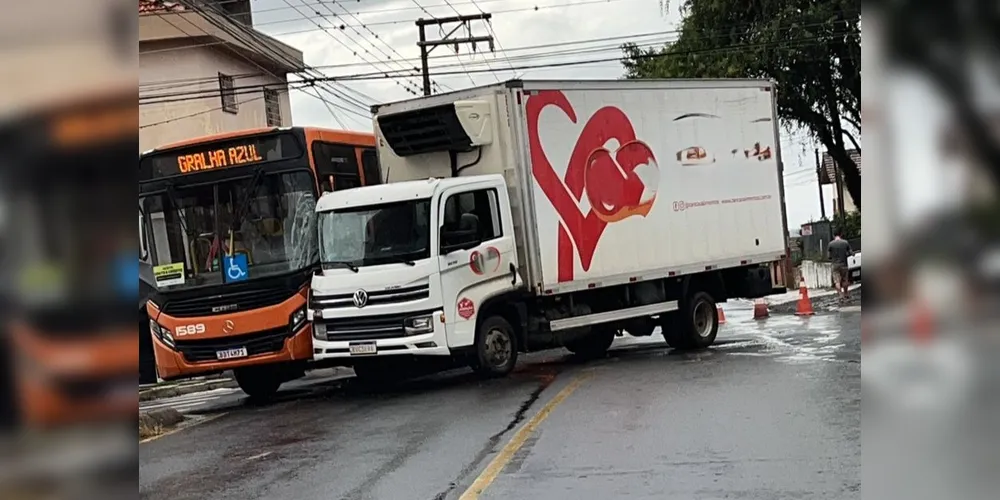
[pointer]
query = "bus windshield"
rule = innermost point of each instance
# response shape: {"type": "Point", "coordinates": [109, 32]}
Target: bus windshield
{"type": "Point", "coordinates": [238, 229]}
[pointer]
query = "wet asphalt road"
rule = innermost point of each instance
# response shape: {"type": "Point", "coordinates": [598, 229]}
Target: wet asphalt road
{"type": "Point", "coordinates": [772, 411]}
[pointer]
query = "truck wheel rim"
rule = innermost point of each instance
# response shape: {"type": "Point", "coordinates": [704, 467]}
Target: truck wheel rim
{"type": "Point", "coordinates": [497, 347]}
{"type": "Point", "coordinates": [703, 320]}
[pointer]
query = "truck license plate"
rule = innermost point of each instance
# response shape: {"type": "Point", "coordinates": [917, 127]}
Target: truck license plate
{"type": "Point", "coordinates": [239, 352]}
{"type": "Point", "coordinates": [363, 348]}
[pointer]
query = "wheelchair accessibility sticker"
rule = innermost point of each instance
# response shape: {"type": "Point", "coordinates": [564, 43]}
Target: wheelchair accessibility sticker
{"type": "Point", "coordinates": [235, 267]}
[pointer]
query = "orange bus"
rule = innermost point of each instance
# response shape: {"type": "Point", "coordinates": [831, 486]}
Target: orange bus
{"type": "Point", "coordinates": [228, 245]}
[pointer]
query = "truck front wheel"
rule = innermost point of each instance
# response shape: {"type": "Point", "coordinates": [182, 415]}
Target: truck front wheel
{"type": "Point", "coordinates": [593, 346]}
{"type": "Point", "coordinates": [496, 348]}
{"type": "Point", "coordinates": [695, 325]}
{"type": "Point", "coordinates": [260, 383]}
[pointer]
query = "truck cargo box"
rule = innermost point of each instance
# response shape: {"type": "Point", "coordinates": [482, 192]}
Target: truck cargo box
{"type": "Point", "coordinates": [610, 182]}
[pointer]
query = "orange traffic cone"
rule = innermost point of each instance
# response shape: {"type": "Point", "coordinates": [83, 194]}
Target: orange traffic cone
{"type": "Point", "coordinates": [722, 315]}
{"type": "Point", "coordinates": [805, 307]}
{"type": "Point", "coordinates": [760, 309]}
{"type": "Point", "coordinates": [921, 323]}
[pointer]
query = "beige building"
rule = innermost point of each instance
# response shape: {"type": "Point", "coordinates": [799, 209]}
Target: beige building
{"type": "Point", "coordinates": [208, 71]}
{"type": "Point", "coordinates": [830, 174]}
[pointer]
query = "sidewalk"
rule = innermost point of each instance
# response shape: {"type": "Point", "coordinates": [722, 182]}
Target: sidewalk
{"type": "Point", "coordinates": [174, 389]}
{"type": "Point", "coordinates": [182, 387]}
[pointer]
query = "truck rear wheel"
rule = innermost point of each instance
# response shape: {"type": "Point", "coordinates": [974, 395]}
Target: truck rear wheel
{"type": "Point", "coordinates": [495, 349]}
{"type": "Point", "coordinates": [260, 383]}
{"type": "Point", "coordinates": [695, 325]}
{"type": "Point", "coordinates": [593, 346]}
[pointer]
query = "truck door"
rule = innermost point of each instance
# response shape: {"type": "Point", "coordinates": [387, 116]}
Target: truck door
{"type": "Point", "coordinates": [476, 251]}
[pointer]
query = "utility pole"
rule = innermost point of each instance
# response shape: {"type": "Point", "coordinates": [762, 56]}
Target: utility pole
{"type": "Point", "coordinates": [427, 46]}
{"type": "Point", "coordinates": [819, 177]}
{"type": "Point", "coordinates": [840, 188]}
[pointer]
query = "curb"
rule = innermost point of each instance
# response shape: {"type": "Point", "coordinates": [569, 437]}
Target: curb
{"type": "Point", "coordinates": [156, 422]}
{"type": "Point", "coordinates": [170, 391]}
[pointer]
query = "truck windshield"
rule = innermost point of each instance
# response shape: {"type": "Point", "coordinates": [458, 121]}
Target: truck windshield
{"type": "Point", "coordinates": [265, 223]}
{"type": "Point", "coordinates": [374, 235]}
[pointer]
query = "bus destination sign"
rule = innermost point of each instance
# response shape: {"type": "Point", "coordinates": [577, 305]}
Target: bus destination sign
{"type": "Point", "coordinates": [242, 154]}
{"type": "Point", "coordinates": [219, 155]}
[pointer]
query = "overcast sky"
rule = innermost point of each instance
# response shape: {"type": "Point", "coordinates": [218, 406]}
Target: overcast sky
{"type": "Point", "coordinates": [518, 27]}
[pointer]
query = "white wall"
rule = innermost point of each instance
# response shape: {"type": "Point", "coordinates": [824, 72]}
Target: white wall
{"type": "Point", "coordinates": [158, 65]}
{"type": "Point", "coordinates": [817, 274]}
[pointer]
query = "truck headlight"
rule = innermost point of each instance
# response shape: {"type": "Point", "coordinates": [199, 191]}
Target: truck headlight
{"type": "Point", "coordinates": [297, 319]}
{"type": "Point", "coordinates": [319, 331]}
{"type": "Point", "coordinates": [419, 324]}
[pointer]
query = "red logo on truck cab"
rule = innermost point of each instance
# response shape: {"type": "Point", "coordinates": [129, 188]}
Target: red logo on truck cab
{"type": "Point", "coordinates": [613, 181]}
{"type": "Point", "coordinates": [466, 308]}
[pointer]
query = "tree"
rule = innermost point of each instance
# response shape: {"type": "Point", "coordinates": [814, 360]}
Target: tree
{"type": "Point", "coordinates": [811, 48]}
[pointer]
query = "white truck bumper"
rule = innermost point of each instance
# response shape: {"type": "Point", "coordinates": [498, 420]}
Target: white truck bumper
{"type": "Point", "coordinates": [357, 345]}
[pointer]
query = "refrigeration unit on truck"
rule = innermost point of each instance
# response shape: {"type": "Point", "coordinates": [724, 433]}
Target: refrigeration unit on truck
{"type": "Point", "coordinates": [534, 214]}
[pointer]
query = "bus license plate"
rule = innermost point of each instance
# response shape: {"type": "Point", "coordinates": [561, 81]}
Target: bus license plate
{"type": "Point", "coordinates": [363, 348]}
{"type": "Point", "coordinates": [239, 352]}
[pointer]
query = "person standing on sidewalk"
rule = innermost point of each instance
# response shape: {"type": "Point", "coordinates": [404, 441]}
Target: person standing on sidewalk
{"type": "Point", "coordinates": [839, 250]}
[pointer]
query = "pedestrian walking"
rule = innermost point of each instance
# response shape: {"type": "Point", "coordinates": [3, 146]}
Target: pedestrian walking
{"type": "Point", "coordinates": [839, 250]}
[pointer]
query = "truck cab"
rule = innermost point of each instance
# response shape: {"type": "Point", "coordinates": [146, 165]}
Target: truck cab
{"type": "Point", "coordinates": [405, 265]}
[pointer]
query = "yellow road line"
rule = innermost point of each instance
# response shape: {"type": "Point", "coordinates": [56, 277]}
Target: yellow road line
{"type": "Point", "coordinates": [182, 427]}
{"type": "Point", "coordinates": [507, 453]}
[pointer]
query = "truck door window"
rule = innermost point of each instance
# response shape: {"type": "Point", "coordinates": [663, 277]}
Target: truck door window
{"type": "Point", "coordinates": [369, 162]}
{"type": "Point", "coordinates": [336, 163]}
{"type": "Point", "coordinates": [483, 205]}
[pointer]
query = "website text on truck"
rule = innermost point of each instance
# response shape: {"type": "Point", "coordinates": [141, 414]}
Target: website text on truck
{"type": "Point", "coordinates": [528, 215]}
{"type": "Point", "coordinates": [229, 243]}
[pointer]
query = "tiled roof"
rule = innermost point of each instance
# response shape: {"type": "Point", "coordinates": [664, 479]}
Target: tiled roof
{"type": "Point", "coordinates": [829, 170]}
{"type": "Point", "coordinates": [159, 6]}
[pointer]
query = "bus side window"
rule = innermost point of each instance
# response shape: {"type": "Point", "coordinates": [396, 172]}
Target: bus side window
{"type": "Point", "coordinates": [336, 162]}
{"type": "Point", "coordinates": [369, 162]}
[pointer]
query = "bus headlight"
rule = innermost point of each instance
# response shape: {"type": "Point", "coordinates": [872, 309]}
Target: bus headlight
{"type": "Point", "coordinates": [419, 324]}
{"type": "Point", "coordinates": [162, 333]}
{"type": "Point", "coordinates": [297, 319]}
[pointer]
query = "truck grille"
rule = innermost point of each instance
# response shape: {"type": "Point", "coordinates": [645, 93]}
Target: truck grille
{"type": "Point", "coordinates": [396, 296]}
{"type": "Point", "coordinates": [264, 342]}
{"type": "Point", "coordinates": [385, 326]}
{"type": "Point", "coordinates": [224, 303]}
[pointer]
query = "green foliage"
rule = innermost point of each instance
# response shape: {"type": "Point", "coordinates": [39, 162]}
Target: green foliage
{"type": "Point", "coordinates": [848, 225]}
{"type": "Point", "coordinates": [810, 48]}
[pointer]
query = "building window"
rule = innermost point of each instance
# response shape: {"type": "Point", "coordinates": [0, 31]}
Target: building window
{"type": "Point", "coordinates": [228, 92]}
{"type": "Point", "coordinates": [272, 108]}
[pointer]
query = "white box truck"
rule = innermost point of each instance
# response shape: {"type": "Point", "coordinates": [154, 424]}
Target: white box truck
{"type": "Point", "coordinates": [533, 214]}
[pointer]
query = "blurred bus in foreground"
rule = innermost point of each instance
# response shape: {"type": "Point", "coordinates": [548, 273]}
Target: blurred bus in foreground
{"type": "Point", "coordinates": [229, 243]}
{"type": "Point", "coordinates": [69, 344]}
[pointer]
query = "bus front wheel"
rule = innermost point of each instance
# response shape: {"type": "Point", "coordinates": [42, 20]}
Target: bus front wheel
{"type": "Point", "coordinates": [260, 383]}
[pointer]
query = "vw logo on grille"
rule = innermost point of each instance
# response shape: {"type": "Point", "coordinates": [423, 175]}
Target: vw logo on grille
{"type": "Point", "coordinates": [360, 298]}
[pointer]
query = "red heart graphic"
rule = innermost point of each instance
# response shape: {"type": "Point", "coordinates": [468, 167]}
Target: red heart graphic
{"type": "Point", "coordinates": [613, 197]}
{"type": "Point", "coordinates": [590, 166]}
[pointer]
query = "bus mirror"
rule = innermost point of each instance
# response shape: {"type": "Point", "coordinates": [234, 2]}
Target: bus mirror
{"type": "Point", "coordinates": [143, 248]}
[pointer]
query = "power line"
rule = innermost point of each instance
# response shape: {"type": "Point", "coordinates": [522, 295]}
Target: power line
{"type": "Point", "coordinates": [406, 87]}
{"type": "Point", "coordinates": [424, 50]}
{"type": "Point", "coordinates": [457, 13]}
{"type": "Point", "coordinates": [422, 8]}
{"type": "Point", "coordinates": [250, 37]}
{"type": "Point", "coordinates": [783, 44]}
{"type": "Point", "coordinates": [661, 38]}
